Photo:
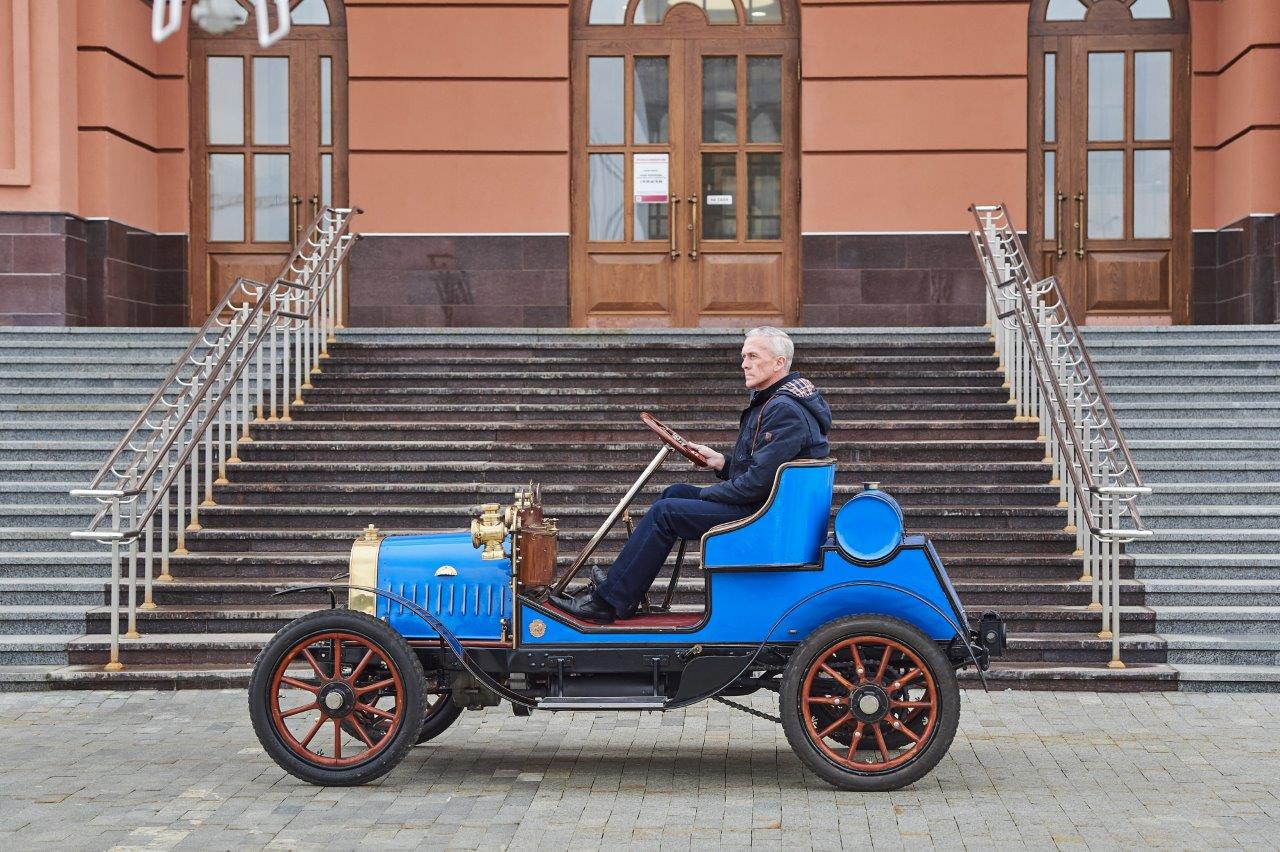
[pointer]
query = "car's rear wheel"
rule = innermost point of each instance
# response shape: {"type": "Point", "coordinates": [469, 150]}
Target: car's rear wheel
{"type": "Point", "coordinates": [336, 698]}
{"type": "Point", "coordinates": [869, 703]}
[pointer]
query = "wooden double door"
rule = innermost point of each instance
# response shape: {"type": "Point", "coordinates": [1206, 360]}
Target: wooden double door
{"type": "Point", "coordinates": [268, 143]}
{"type": "Point", "coordinates": [685, 181]}
{"type": "Point", "coordinates": [1110, 173]}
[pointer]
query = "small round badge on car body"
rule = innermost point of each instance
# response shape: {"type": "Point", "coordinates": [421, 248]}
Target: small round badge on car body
{"type": "Point", "coordinates": [537, 628]}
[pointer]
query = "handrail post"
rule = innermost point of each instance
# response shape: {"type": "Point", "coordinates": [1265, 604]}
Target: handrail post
{"type": "Point", "coordinates": [133, 572]}
{"type": "Point", "coordinates": [165, 576]}
{"type": "Point", "coordinates": [113, 663]}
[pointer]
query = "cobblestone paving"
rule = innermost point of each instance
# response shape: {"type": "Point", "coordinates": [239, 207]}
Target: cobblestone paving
{"type": "Point", "coordinates": [93, 770]}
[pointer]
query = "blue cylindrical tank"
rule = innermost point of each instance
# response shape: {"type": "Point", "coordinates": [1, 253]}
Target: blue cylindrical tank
{"type": "Point", "coordinates": [869, 526]}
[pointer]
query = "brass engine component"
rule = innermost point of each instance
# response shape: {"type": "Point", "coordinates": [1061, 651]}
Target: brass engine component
{"type": "Point", "coordinates": [489, 530]}
{"type": "Point", "coordinates": [363, 570]}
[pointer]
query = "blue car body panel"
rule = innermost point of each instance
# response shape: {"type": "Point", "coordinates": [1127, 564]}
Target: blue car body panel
{"type": "Point", "coordinates": [472, 602]}
{"type": "Point", "coordinates": [776, 578]}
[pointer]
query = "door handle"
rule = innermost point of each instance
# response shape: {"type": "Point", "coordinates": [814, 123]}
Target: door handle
{"type": "Point", "coordinates": [693, 226]}
{"type": "Point", "coordinates": [295, 202]}
{"type": "Point", "coordinates": [1057, 230]}
{"type": "Point", "coordinates": [315, 206]}
{"type": "Point", "coordinates": [1080, 224]}
{"type": "Point", "coordinates": [675, 219]}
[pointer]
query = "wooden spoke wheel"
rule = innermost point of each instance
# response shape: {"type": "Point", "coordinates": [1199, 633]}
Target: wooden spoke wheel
{"type": "Point", "coordinates": [337, 698]}
{"type": "Point", "coordinates": [869, 703]}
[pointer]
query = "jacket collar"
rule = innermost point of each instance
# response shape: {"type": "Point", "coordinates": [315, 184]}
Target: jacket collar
{"type": "Point", "coordinates": [760, 397]}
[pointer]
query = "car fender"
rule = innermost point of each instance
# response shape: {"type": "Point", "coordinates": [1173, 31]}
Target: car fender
{"type": "Point", "coordinates": [870, 596]}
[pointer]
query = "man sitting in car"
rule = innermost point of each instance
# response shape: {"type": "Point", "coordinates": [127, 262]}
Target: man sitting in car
{"type": "Point", "coordinates": [786, 419]}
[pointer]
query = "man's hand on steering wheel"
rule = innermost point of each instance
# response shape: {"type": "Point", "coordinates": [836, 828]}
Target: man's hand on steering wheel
{"type": "Point", "coordinates": [715, 460]}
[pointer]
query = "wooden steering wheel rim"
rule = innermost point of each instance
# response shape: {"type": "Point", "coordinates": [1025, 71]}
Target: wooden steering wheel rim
{"type": "Point", "coordinates": [672, 439]}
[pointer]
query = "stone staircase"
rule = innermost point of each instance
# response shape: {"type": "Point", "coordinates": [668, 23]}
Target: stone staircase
{"type": "Point", "coordinates": [1200, 407]}
{"type": "Point", "coordinates": [411, 429]}
{"type": "Point", "coordinates": [66, 397]}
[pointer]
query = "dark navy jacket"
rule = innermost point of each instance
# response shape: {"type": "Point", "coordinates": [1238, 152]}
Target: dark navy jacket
{"type": "Point", "coordinates": [786, 421]}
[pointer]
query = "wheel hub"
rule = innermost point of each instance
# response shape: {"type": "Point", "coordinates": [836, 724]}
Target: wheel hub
{"type": "Point", "coordinates": [336, 699]}
{"type": "Point", "coordinates": [869, 703]}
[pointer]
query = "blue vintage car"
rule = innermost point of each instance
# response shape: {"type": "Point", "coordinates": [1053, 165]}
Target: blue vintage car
{"type": "Point", "coordinates": [857, 629]}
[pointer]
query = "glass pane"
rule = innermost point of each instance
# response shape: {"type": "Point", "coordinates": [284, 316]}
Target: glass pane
{"type": "Point", "coordinates": [1150, 9]}
{"type": "Point", "coordinates": [326, 180]}
{"type": "Point", "coordinates": [607, 12]}
{"type": "Point", "coordinates": [720, 11]}
{"type": "Point", "coordinates": [326, 100]}
{"type": "Point", "coordinates": [764, 99]}
{"type": "Point", "coordinates": [650, 99]}
{"type": "Point", "coordinates": [270, 100]}
{"type": "Point", "coordinates": [226, 100]}
{"type": "Point", "coordinates": [764, 196]}
{"type": "Point", "coordinates": [719, 203]}
{"type": "Point", "coordinates": [271, 198]}
{"type": "Point", "coordinates": [226, 197]}
{"type": "Point", "coordinates": [650, 11]}
{"type": "Point", "coordinates": [652, 222]}
{"type": "Point", "coordinates": [1106, 195]}
{"type": "Point", "coordinates": [765, 12]}
{"type": "Point", "coordinates": [1065, 10]}
{"type": "Point", "coordinates": [604, 111]}
{"type": "Point", "coordinates": [1050, 96]}
{"type": "Point", "coordinates": [605, 186]}
{"type": "Point", "coordinates": [1151, 194]}
{"type": "Point", "coordinates": [1151, 76]}
{"type": "Point", "coordinates": [310, 12]}
{"type": "Point", "coordinates": [719, 98]}
{"type": "Point", "coordinates": [1106, 96]}
{"type": "Point", "coordinates": [1050, 196]}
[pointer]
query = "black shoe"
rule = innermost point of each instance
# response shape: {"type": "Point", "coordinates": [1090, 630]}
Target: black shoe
{"type": "Point", "coordinates": [588, 607]}
{"type": "Point", "coordinates": [598, 576]}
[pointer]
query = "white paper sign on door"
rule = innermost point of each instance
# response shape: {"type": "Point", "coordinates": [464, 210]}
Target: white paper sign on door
{"type": "Point", "coordinates": [649, 178]}
{"type": "Point", "coordinates": [719, 200]}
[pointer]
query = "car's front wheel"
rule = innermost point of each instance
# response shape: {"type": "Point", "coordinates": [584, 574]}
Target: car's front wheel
{"type": "Point", "coordinates": [337, 698]}
{"type": "Point", "coordinates": [869, 703]}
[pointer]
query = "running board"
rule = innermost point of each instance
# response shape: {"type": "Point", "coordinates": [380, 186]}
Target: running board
{"type": "Point", "coordinates": [595, 702]}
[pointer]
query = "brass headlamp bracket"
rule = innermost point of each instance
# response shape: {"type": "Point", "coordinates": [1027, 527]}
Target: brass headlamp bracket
{"type": "Point", "coordinates": [489, 530]}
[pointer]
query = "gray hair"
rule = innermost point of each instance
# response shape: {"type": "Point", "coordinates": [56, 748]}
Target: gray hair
{"type": "Point", "coordinates": [778, 341]}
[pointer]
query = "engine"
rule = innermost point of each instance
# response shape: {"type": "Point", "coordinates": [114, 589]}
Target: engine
{"type": "Point", "coordinates": [468, 579]}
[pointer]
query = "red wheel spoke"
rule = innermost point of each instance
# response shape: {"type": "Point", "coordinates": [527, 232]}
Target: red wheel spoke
{"type": "Point", "coordinates": [884, 749]}
{"type": "Point", "coordinates": [359, 669]}
{"type": "Point", "coordinates": [908, 677]}
{"type": "Point", "coordinates": [306, 653]}
{"type": "Point", "coordinates": [910, 703]}
{"type": "Point", "coordinates": [337, 657]}
{"type": "Point", "coordinates": [840, 679]}
{"type": "Point", "coordinates": [884, 664]}
{"type": "Point", "coordinates": [295, 711]}
{"type": "Point", "coordinates": [300, 684]}
{"type": "Point", "coordinates": [311, 734]}
{"type": "Point", "coordinates": [855, 741]}
{"type": "Point", "coordinates": [825, 699]}
{"type": "Point", "coordinates": [843, 720]}
{"type": "Point", "coordinates": [902, 729]}
{"type": "Point", "coordinates": [337, 738]}
{"type": "Point", "coordinates": [382, 684]}
{"type": "Point", "coordinates": [859, 668]}
{"type": "Point", "coordinates": [369, 708]}
{"type": "Point", "coordinates": [359, 729]}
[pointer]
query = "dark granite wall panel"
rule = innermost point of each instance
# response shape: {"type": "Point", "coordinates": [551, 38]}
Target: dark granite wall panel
{"type": "Point", "coordinates": [57, 269]}
{"type": "Point", "coordinates": [890, 280]}
{"type": "Point", "coordinates": [520, 281]}
{"type": "Point", "coordinates": [42, 269]}
{"type": "Point", "coordinates": [136, 278]}
{"type": "Point", "coordinates": [1234, 275]}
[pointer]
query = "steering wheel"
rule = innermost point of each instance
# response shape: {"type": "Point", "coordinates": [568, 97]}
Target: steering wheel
{"type": "Point", "coordinates": [672, 439]}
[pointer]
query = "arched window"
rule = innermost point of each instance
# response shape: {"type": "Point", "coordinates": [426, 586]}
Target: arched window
{"type": "Point", "coordinates": [1109, 154]}
{"type": "Point", "coordinates": [717, 12]}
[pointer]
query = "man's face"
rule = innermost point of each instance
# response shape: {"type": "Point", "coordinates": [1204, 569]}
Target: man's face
{"type": "Point", "coordinates": [760, 367]}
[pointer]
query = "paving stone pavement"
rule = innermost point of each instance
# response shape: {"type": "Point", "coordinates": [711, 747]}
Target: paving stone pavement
{"type": "Point", "coordinates": [162, 770]}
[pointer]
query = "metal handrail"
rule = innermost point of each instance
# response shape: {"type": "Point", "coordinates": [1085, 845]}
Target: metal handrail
{"type": "Point", "coordinates": [280, 331]}
{"type": "Point", "coordinates": [1053, 381]}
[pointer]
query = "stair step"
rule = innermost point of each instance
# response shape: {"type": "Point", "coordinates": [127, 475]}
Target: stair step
{"type": "Point", "coordinates": [1219, 678]}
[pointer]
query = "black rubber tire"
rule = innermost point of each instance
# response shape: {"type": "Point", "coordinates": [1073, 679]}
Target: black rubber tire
{"type": "Point", "coordinates": [397, 652]}
{"type": "Point", "coordinates": [795, 725]}
{"type": "Point", "coordinates": [438, 718]}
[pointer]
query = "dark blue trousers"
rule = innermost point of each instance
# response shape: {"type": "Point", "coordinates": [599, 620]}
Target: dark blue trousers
{"type": "Point", "coordinates": [678, 514]}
